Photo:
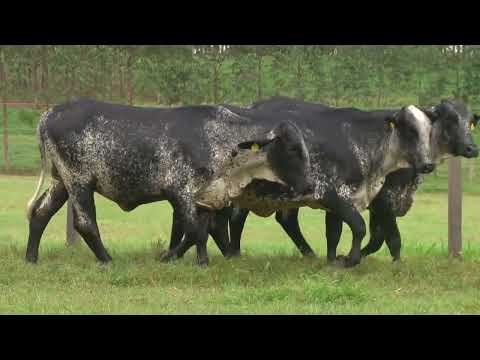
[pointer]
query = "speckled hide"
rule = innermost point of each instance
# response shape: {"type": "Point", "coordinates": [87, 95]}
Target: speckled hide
{"type": "Point", "coordinates": [142, 157]}
{"type": "Point", "coordinates": [134, 156]}
{"type": "Point", "coordinates": [348, 156]}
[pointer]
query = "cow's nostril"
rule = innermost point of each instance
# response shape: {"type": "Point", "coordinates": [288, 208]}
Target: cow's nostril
{"type": "Point", "coordinates": [471, 151]}
{"type": "Point", "coordinates": [428, 168]}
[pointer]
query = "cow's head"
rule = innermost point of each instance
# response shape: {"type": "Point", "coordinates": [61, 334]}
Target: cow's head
{"type": "Point", "coordinates": [287, 155]}
{"type": "Point", "coordinates": [413, 129]}
{"type": "Point", "coordinates": [452, 130]}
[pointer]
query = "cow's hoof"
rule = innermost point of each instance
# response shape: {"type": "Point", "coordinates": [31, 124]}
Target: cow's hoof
{"type": "Point", "coordinates": [105, 259]}
{"type": "Point", "coordinates": [168, 257]}
{"type": "Point", "coordinates": [364, 253]}
{"type": "Point", "coordinates": [202, 262]}
{"type": "Point", "coordinates": [234, 254]}
{"type": "Point", "coordinates": [31, 259]}
{"type": "Point", "coordinates": [309, 255]}
{"type": "Point", "coordinates": [335, 262]}
{"type": "Point", "coordinates": [349, 262]}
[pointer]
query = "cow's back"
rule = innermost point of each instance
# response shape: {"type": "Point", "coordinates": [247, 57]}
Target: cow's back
{"type": "Point", "coordinates": [124, 152]}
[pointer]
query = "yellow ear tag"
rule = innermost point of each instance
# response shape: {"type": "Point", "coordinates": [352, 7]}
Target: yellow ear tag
{"type": "Point", "coordinates": [392, 125]}
{"type": "Point", "coordinates": [472, 126]}
{"type": "Point", "coordinates": [255, 147]}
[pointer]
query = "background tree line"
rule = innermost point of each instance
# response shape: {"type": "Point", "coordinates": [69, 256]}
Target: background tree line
{"type": "Point", "coordinates": [364, 76]}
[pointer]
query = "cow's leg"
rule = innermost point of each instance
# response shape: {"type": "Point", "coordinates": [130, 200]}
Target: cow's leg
{"type": "Point", "coordinates": [376, 235]}
{"type": "Point", "coordinates": [219, 231]}
{"type": "Point", "coordinates": [198, 232]}
{"type": "Point", "coordinates": [178, 247]}
{"type": "Point", "coordinates": [177, 230]}
{"type": "Point", "coordinates": [392, 237]}
{"type": "Point", "coordinates": [288, 219]}
{"type": "Point", "coordinates": [195, 224]}
{"type": "Point", "coordinates": [333, 229]}
{"type": "Point", "coordinates": [44, 208]}
{"type": "Point", "coordinates": [179, 251]}
{"type": "Point", "coordinates": [237, 222]}
{"type": "Point", "coordinates": [356, 223]}
{"type": "Point", "coordinates": [85, 222]}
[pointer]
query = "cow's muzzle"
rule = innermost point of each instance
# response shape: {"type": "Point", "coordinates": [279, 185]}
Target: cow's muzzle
{"type": "Point", "coordinates": [467, 150]}
{"type": "Point", "coordinates": [426, 168]}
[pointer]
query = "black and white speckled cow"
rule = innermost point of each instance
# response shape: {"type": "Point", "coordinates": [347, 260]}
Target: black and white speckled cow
{"type": "Point", "coordinates": [451, 136]}
{"type": "Point", "coordinates": [351, 152]}
{"type": "Point", "coordinates": [134, 156]}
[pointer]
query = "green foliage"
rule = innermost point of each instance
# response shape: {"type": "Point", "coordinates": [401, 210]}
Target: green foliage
{"type": "Point", "coordinates": [366, 75]}
{"type": "Point", "coordinates": [27, 117]}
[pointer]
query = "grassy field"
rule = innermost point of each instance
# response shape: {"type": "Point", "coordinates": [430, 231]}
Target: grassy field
{"type": "Point", "coordinates": [270, 277]}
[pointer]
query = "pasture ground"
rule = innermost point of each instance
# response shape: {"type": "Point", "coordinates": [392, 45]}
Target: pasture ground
{"type": "Point", "coordinates": [270, 277]}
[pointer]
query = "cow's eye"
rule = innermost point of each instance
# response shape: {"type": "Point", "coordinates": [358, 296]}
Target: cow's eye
{"type": "Point", "coordinates": [295, 150]}
{"type": "Point", "coordinates": [411, 132]}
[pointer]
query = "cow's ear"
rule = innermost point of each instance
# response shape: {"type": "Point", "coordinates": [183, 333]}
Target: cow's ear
{"type": "Point", "coordinates": [257, 143]}
{"type": "Point", "coordinates": [432, 113]}
{"type": "Point", "coordinates": [474, 121]}
{"type": "Point", "coordinates": [262, 140]}
{"type": "Point", "coordinates": [392, 120]}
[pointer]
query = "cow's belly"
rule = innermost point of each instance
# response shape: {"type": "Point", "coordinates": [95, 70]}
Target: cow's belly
{"type": "Point", "coordinates": [267, 205]}
{"type": "Point", "coordinates": [365, 194]}
{"type": "Point", "coordinates": [131, 198]}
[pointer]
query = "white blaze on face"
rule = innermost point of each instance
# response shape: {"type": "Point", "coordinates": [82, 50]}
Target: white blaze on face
{"type": "Point", "coordinates": [424, 128]}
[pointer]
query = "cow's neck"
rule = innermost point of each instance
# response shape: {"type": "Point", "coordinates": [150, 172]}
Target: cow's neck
{"type": "Point", "coordinates": [393, 158]}
{"type": "Point", "coordinates": [439, 150]}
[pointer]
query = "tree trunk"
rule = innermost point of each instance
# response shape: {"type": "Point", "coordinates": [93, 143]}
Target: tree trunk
{"type": "Point", "coordinates": [71, 90]}
{"type": "Point", "coordinates": [3, 98]}
{"type": "Point", "coordinates": [335, 86]}
{"type": "Point", "coordinates": [300, 93]}
{"type": "Point", "coordinates": [259, 77]}
{"type": "Point", "coordinates": [129, 79]}
{"type": "Point", "coordinates": [35, 83]}
{"type": "Point", "coordinates": [380, 88]}
{"type": "Point", "coordinates": [5, 135]}
{"type": "Point", "coordinates": [95, 81]}
{"type": "Point", "coordinates": [215, 82]}
{"type": "Point", "coordinates": [112, 77]}
{"type": "Point", "coordinates": [44, 79]}
{"type": "Point", "coordinates": [120, 81]}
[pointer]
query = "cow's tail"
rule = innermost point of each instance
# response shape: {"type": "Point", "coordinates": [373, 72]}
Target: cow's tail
{"type": "Point", "coordinates": [41, 180]}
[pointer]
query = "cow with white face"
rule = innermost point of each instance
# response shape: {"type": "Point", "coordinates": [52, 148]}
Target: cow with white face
{"type": "Point", "coordinates": [451, 136]}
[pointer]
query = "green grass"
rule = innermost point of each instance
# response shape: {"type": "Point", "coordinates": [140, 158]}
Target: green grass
{"type": "Point", "coordinates": [270, 277]}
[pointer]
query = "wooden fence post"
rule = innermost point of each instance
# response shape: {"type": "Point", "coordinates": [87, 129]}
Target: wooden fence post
{"type": "Point", "coordinates": [455, 207]}
{"type": "Point", "coordinates": [72, 235]}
